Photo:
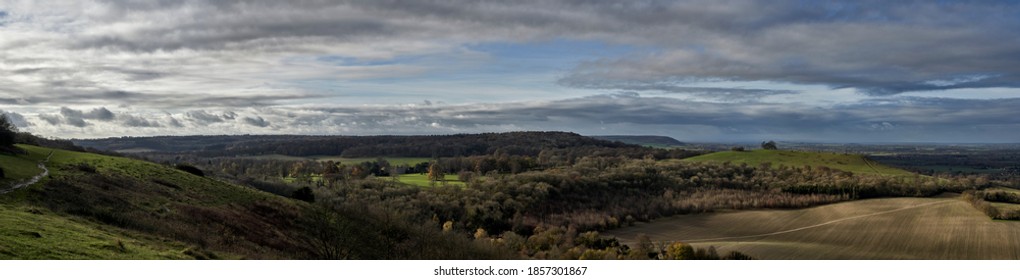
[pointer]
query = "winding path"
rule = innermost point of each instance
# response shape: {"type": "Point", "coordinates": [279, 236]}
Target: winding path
{"type": "Point", "coordinates": [818, 225]}
{"type": "Point", "coordinates": [35, 179]}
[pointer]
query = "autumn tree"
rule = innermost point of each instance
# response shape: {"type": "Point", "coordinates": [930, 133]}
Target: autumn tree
{"type": "Point", "coordinates": [435, 172]}
{"type": "Point", "coordinates": [679, 251]}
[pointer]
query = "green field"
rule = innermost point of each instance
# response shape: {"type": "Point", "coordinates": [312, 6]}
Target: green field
{"type": "Point", "coordinates": [893, 228]}
{"type": "Point", "coordinates": [422, 180]}
{"type": "Point", "coordinates": [846, 162]}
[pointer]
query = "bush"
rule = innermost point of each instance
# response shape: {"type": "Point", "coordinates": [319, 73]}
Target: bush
{"type": "Point", "coordinates": [2, 173]}
{"type": "Point", "coordinates": [465, 176]}
{"type": "Point", "coordinates": [679, 251]}
{"type": "Point", "coordinates": [735, 255]}
{"type": "Point", "coordinates": [737, 149]}
{"type": "Point", "coordinates": [190, 169]}
{"type": "Point", "coordinates": [305, 194]}
{"type": "Point", "coordinates": [86, 167]}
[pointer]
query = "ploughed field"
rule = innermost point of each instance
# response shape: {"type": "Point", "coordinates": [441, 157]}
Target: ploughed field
{"type": "Point", "coordinates": [888, 228]}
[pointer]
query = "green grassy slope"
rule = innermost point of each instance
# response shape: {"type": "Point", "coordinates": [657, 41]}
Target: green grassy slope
{"type": "Point", "coordinates": [19, 167]}
{"type": "Point", "coordinates": [853, 163]}
{"type": "Point", "coordinates": [99, 200]}
{"type": "Point", "coordinates": [31, 233]}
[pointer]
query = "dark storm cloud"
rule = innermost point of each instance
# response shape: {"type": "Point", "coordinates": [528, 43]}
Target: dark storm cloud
{"type": "Point", "coordinates": [136, 121]}
{"type": "Point", "coordinates": [174, 122]}
{"type": "Point", "coordinates": [256, 121]}
{"type": "Point", "coordinates": [717, 93]}
{"type": "Point", "coordinates": [77, 118]}
{"type": "Point", "coordinates": [877, 47]}
{"type": "Point", "coordinates": [204, 117]}
{"type": "Point", "coordinates": [51, 119]}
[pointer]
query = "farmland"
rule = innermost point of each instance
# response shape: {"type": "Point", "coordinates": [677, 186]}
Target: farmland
{"type": "Point", "coordinates": [893, 228]}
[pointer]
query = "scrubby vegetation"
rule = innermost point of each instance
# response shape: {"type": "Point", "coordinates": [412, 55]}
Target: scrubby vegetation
{"type": "Point", "coordinates": [1002, 204]}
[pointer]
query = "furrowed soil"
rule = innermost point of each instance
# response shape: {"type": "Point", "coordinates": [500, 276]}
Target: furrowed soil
{"type": "Point", "coordinates": [890, 228]}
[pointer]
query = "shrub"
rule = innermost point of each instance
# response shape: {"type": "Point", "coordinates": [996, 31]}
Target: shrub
{"type": "Point", "coordinates": [305, 194]}
{"type": "Point", "coordinates": [190, 169]}
{"type": "Point", "coordinates": [737, 149]}
{"type": "Point", "coordinates": [2, 173]}
{"type": "Point", "coordinates": [679, 251]}
{"type": "Point", "coordinates": [86, 167]}
{"type": "Point", "coordinates": [735, 255]}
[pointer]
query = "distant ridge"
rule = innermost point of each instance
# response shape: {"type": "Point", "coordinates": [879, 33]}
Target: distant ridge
{"type": "Point", "coordinates": [529, 143]}
{"type": "Point", "coordinates": [644, 140]}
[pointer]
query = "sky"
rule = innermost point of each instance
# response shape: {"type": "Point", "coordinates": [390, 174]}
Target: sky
{"type": "Point", "coordinates": [699, 71]}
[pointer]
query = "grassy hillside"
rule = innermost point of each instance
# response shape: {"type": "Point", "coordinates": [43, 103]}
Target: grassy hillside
{"type": "Point", "coordinates": [895, 228]}
{"type": "Point", "coordinates": [19, 167]}
{"type": "Point", "coordinates": [854, 163]}
{"type": "Point", "coordinates": [91, 202]}
{"type": "Point", "coordinates": [32, 233]}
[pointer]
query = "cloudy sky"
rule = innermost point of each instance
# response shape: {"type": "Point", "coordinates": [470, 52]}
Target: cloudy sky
{"type": "Point", "coordinates": [882, 71]}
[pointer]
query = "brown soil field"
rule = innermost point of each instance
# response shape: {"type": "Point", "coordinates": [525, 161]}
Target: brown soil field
{"type": "Point", "coordinates": [888, 228]}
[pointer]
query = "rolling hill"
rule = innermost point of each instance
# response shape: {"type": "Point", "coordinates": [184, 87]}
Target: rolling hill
{"type": "Point", "coordinates": [847, 162]}
{"type": "Point", "coordinates": [513, 143]}
{"type": "Point", "coordinates": [643, 140]}
{"type": "Point", "coordinates": [101, 207]}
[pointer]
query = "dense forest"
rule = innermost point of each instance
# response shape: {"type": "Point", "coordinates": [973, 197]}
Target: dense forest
{"type": "Point", "coordinates": [514, 143]}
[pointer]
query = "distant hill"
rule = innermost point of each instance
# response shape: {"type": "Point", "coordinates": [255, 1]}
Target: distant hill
{"type": "Point", "coordinates": [847, 162]}
{"type": "Point", "coordinates": [513, 143]}
{"type": "Point", "coordinates": [643, 140]}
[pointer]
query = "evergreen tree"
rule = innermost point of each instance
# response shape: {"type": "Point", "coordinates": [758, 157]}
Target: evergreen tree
{"type": "Point", "coordinates": [8, 134]}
